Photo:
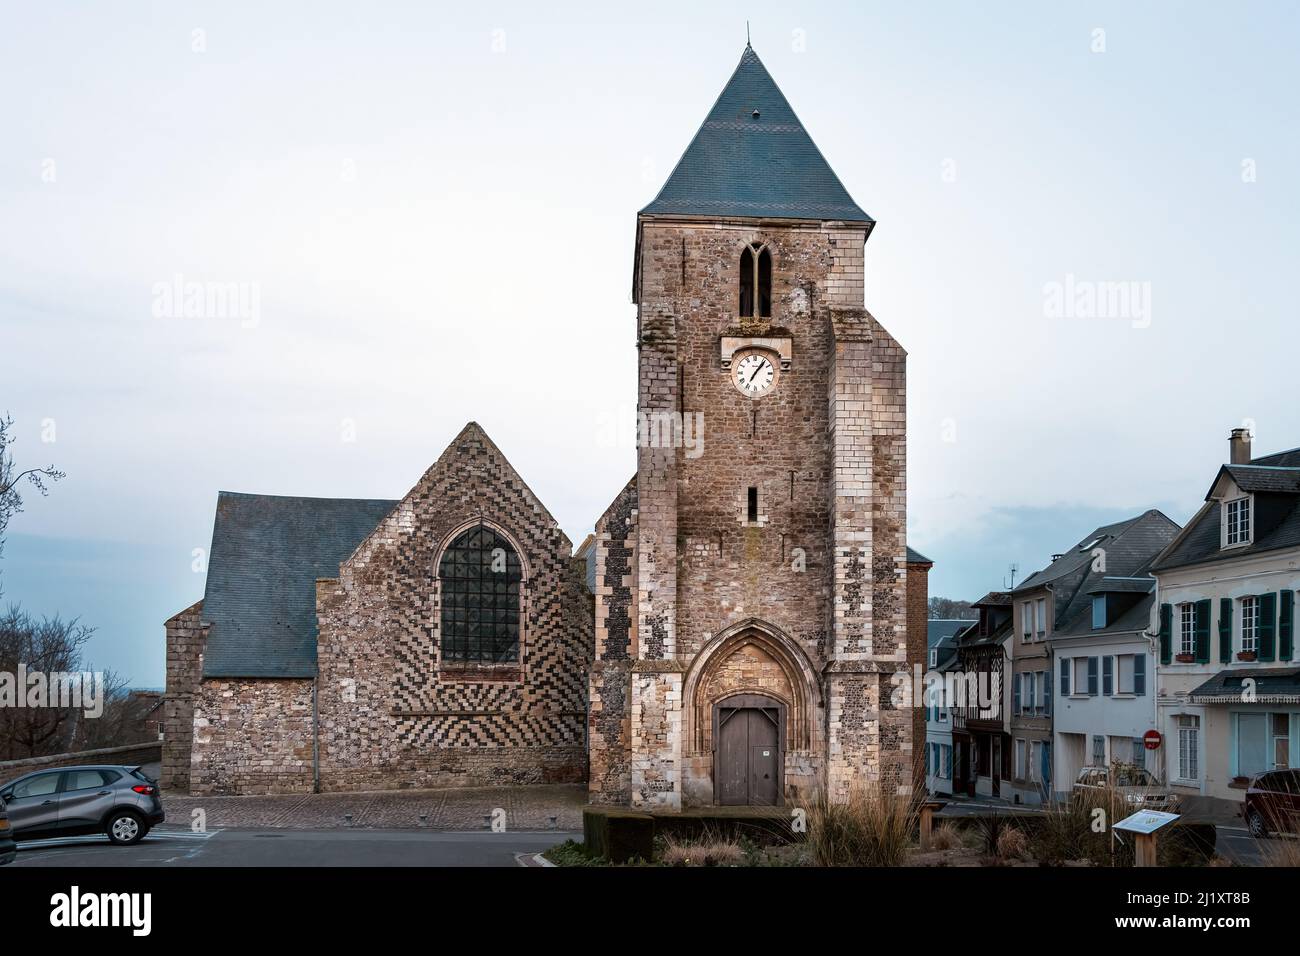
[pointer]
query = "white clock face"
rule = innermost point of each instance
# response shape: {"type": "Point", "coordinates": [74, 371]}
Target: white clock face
{"type": "Point", "coordinates": [754, 374]}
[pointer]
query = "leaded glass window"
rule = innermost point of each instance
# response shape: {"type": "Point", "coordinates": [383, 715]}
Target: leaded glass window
{"type": "Point", "coordinates": [481, 577]}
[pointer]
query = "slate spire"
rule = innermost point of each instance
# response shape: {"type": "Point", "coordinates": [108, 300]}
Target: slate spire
{"type": "Point", "coordinates": [752, 158]}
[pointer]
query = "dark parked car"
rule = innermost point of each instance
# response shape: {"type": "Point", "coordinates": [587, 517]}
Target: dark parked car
{"type": "Point", "coordinates": [1273, 803]}
{"type": "Point", "coordinates": [118, 801]}
{"type": "Point", "coordinates": [7, 848]}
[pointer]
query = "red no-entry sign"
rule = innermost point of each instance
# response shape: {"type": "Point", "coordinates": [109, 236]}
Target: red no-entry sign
{"type": "Point", "coordinates": [1151, 740]}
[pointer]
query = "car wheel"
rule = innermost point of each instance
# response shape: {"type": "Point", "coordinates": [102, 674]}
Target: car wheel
{"type": "Point", "coordinates": [125, 828]}
{"type": "Point", "coordinates": [1255, 821]}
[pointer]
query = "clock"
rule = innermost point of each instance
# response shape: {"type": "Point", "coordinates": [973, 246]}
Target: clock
{"type": "Point", "coordinates": [754, 374]}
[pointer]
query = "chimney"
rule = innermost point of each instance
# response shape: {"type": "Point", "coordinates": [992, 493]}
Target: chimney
{"type": "Point", "coordinates": [1239, 447]}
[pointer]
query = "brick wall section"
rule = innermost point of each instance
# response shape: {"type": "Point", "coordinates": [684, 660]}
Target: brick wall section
{"type": "Point", "coordinates": [918, 613]}
{"type": "Point", "coordinates": [186, 638]}
{"type": "Point", "coordinates": [609, 722]}
{"type": "Point", "coordinates": [392, 713]}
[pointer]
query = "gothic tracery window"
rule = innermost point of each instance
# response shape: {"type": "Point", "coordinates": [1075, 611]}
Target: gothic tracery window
{"type": "Point", "coordinates": [756, 281]}
{"type": "Point", "coordinates": [480, 574]}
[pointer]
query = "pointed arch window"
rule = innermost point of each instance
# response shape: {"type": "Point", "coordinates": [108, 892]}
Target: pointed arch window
{"type": "Point", "coordinates": [480, 578]}
{"type": "Point", "coordinates": [756, 281]}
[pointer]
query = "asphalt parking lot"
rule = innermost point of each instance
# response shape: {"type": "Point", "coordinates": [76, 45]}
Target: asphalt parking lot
{"type": "Point", "coordinates": [168, 846]}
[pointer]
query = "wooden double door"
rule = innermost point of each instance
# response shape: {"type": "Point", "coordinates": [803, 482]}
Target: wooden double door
{"type": "Point", "coordinates": [748, 756]}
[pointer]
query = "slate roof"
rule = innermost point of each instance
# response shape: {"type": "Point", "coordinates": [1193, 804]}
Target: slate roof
{"type": "Point", "coordinates": [267, 552]}
{"type": "Point", "coordinates": [1289, 458]}
{"type": "Point", "coordinates": [754, 166]}
{"type": "Point", "coordinates": [940, 629]}
{"type": "Point", "coordinates": [916, 557]}
{"type": "Point", "coordinates": [1273, 685]}
{"type": "Point", "coordinates": [1276, 479]}
{"type": "Point", "coordinates": [1136, 618]}
{"type": "Point", "coordinates": [1266, 478]}
{"type": "Point", "coordinates": [1123, 585]}
{"type": "Point", "coordinates": [1130, 546]}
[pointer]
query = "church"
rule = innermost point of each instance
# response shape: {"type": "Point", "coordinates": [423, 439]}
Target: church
{"type": "Point", "coordinates": [735, 630]}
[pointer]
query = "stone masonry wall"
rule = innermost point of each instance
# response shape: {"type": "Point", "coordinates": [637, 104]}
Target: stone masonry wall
{"type": "Point", "coordinates": [825, 449]}
{"type": "Point", "coordinates": [392, 712]}
{"type": "Point", "coordinates": [609, 723]}
{"type": "Point", "coordinates": [186, 638]}
{"type": "Point", "coordinates": [252, 736]}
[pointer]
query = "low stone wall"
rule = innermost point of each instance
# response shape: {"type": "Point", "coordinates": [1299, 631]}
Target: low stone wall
{"type": "Point", "coordinates": [131, 755]}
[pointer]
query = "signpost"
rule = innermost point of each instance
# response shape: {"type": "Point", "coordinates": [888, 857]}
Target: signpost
{"type": "Point", "coordinates": [1144, 825]}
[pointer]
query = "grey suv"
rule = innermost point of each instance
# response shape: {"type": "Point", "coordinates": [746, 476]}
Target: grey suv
{"type": "Point", "coordinates": [119, 801]}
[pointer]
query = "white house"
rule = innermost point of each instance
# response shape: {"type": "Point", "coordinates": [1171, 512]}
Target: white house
{"type": "Point", "coordinates": [1104, 669]}
{"type": "Point", "coordinates": [1228, 682]}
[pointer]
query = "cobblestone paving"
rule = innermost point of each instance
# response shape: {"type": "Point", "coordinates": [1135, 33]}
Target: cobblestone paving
{"type": "Point", "coordinates": [526, 808]}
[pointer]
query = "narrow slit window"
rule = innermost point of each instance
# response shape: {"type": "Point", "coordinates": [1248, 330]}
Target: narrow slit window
{"type": "Point", "coordinates": [756, 281]}
{"type": "Point", "coordinates": [747, 282]}
{"type": "Point", "coordinates": [753, 504]}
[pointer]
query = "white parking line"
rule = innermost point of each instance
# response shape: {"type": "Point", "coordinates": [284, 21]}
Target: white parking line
{"type": "Point", "coordinates": [98, 839]}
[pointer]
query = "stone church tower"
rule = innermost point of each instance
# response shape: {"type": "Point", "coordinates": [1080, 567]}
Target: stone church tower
{"type": "Point", "coordinates": [751, 581]}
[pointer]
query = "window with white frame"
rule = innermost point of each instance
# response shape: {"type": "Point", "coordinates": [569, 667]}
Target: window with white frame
{"type": "Point", "coordinates": [1027, 621]}
{"type": "Point", "coordinates": [1040, 616]}
{"type": "Point", "coordinates": [1189, 742]}
{"type": "Point", "coordinates": [1098, 751]}
{"type": "Point", "coordinates": [1028, 692]}
{"type": "Point", "coordinates": [1236, 521]}
{"type": "Point", "coordinates": [1130, 671]}
{"type": "Point", "coordinates": [1139, 752]}
{"type": "Point", "coordinates": [1187, 628]}
{"type": "Point", "coordinates": [1035, 761]}
{"type": "Point", "coordinates": [1020, 759]}
{"type": "Point", "coordinates": [1250, 624]}
{"type": "Point", "coordinates": [934, 657]}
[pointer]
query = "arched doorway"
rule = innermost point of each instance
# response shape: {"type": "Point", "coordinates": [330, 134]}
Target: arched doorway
{"type": "Point", "coordinates": [749, 750]}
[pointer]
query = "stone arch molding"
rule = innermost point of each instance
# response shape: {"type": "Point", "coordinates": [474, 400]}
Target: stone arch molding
{"type": "Point", "coordinates": [801, 695]}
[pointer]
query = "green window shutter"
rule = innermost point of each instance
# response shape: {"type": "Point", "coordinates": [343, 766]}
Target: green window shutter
{"type": "Point", "coordinates": [1267, 617]}
{"type": "Point", "coordinates": [1285, 626]}
{"type": "Point", "coordinates": [1166, 633]}
{"type": "Point", "coordinates": [1202, 632]}
{"type": "Point", "coordinates": [1225, 630]}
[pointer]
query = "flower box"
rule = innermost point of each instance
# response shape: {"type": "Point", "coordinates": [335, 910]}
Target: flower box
{"type": "Point", "coordinates": [1246, 655]}
{"type": "Point", "coordinates": [1185, 658]}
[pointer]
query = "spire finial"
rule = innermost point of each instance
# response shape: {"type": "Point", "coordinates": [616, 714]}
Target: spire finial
{"type": "Point", "coordinates": [746, 33]}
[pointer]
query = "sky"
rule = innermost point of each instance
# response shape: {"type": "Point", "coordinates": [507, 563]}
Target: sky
{"type": "Point", "coordinates": [428, 215]}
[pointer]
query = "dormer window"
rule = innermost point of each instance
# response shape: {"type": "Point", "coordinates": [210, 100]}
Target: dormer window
{"type": "Point", "coordinates": [1098, 611]}
{"type": "Point", "coordinates": [1236, 522]}
{"type": "Point", "coordinates": [934, 657]}
{"type": "Point", "coordinates": [756, 281]}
